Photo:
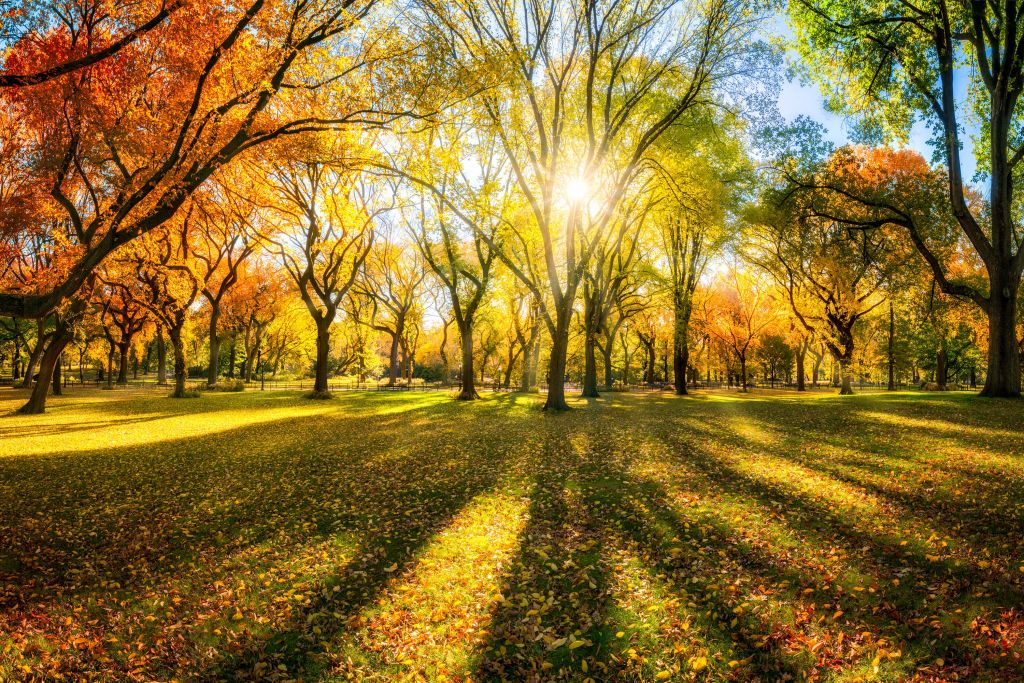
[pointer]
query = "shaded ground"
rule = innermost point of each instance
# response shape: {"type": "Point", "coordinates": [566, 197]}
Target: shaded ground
{"type": "Point", "coordinates": [380, 537]}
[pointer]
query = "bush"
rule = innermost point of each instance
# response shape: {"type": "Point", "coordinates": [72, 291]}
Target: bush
{"type": "Point", "coordinates": [188, 393]}
{"type": "Point", "coordinates": [227, 385]}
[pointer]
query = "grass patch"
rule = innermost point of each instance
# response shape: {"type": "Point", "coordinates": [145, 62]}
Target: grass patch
{"type": "Point", "coordinates": [383, 536]}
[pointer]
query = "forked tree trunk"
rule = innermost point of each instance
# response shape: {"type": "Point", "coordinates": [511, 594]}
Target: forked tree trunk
{"type": "Point", "coordinates": [47, 366]}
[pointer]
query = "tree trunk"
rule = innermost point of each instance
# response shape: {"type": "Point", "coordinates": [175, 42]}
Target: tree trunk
{"type": "Point", "coordinates": [232, 355]}
{"type": "Point", "coordinates": [111, 349]}
{"type": "Point", "coordinates": [846, 387]}
{"type": "Point", "coordinates": [801, 357]}
{"type": "Point", "coordinates": [941, 366]}
{"type": "Point", "coordinates": [892, 352]}
{"type": "Point", "coordinates": [1003, 376]}
{"type": "Point", "coordinates": [161, 357]}
{"type": "Point", "coordinates": [531, 357]}
{"type": "Point", "coordinates": [590, 366]}
{"type": "Point", "coordinates": [607, 352]}
{"type": "Point", "coordinates": [323, 350]}
{"type": "Point", "coordinates": [681, 339]}
{"type": "Point", "coordinates": [34, 355]}
{"type": "Point", "coordinates": [180, 362]}
{"type": "Point", "coordinates": [122, 359]}
{"type": "Point", "coordinates": [680, 359]}
{"type": "Point", "coordinates": [557, 363]}
{"type": "Point", "coordinates": [47, 366]}
{"type": "Point", "coordinates": [56, 376]}
{"type": "Point", "coordinates": [743, 371]}
{"type": "Point", "coordinates": [213, 369]}
{"type": "Point", "coordinates": [467, 382]}
{"type": "Point", "coordinates": [393, 361]}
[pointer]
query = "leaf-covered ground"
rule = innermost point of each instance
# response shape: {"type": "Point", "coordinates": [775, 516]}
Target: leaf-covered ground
{"type": "Point", "coordinates": [388, 537]}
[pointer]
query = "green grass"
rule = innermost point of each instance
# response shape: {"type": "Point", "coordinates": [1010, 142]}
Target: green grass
{"type": "Point", "coordinates": [407, 536]}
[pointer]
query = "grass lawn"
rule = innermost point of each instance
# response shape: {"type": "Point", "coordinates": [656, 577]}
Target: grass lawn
{"type": "Point", "coordinates": [407, 536]}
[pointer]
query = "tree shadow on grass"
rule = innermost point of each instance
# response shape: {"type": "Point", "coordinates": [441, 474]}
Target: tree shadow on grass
{"type": "Point", "coordinates": [554, 595]}
{"type": "Point", "coordinates": [191, 518]}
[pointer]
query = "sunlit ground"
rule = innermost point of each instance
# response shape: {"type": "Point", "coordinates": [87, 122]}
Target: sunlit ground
{"type": "Point", "coordinates": [382, 536]}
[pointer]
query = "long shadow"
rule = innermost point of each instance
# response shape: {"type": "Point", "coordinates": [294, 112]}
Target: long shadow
{"type": "Point", "coordinates": [136, 523]}
{"type": "Point", "coordinates": [900, 611]}
{"type": "Point", "coordinates": [555, 593]}
{"type": "Point", "coordinates": [394, 522]}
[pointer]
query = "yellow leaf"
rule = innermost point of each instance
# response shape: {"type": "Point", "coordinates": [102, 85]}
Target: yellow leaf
{"type": "Point", "coordinates": [699, 663]}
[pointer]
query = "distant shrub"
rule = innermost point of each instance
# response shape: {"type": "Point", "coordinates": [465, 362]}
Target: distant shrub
{"type": "Point", "coordinates": [190, 392]}
{"type": "Point", "coordinates": [320, 395]}
{"type": "Point", "coordinates": [227, 385]}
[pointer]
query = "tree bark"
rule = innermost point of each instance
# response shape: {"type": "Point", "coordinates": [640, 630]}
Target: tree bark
{"type": "Point", "coordinates": [680, 358]}
{"type": "Point", "coordinates": [323, 350]}
{"type": "Point", "coordinates": [122, 368]}
{"type": "Point", "coordinates": [393, 360]}
{"type": "Point", "coordinates": [213, 369]}
{"type": "Point", "coordinates": [557, 362]}
{"type": "Point", "coordinates": [161, 357]}
{"type": "Point", "coordinates": [56, 376]}
{"type": "Point", "coordinates": [892, 351]}
{"type": "Point", "coordinates": [35, 354]}
{"type": "Point", "coordinates": [801, 357]}
{"type": "Point", "coordinates": [846, 387]}
{"type": "Point", "coordinates": [590, 366]}
{"type": "Point", "coordinates": [1003, 376]}
{"type": "Point", "coordinates": [467, 382]}
{"type": "Point", "coordinates": [607, 353]}
{"type": "Point", "coordinates": [941, 366]}
{"type": "Point", "coordinates": [180, 362]}
{"type": "Point", "coordinates": [61, 337]}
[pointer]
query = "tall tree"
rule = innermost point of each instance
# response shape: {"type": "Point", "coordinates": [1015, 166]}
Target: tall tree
{"type": "Point", "coordinates": [579, 91]}
{"type": "Point", "coordinates": [330, 215]}
{"type": "Point", "coordinates": [893, 63]}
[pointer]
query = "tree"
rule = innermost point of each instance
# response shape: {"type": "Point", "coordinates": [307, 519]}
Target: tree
{"type": "Point", "coordinates": [832, 275]}
{"type": "Point", "coordinates": [738, 312]}
{"type": "Point", "coordinates": [700, 167]}
{"type": "Point", "coordinates": [116, 149]}
{"type": "Point", "coordinates": [72, 37]}
{"type": "Point", "coordinates": [166, 282]}
{"type": "Point", "coordinates": [391, 283]}
{"type": "Point", "coordinates": [224, 240]}
{"type": "Point", "coordinates": [328, 230]}
{"type": "Point", "coordinates": [577, 93]}
{"type": "Point", "coordinates": [893, 63]}
{"type": "Point", "coordinates": [455, 231]}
